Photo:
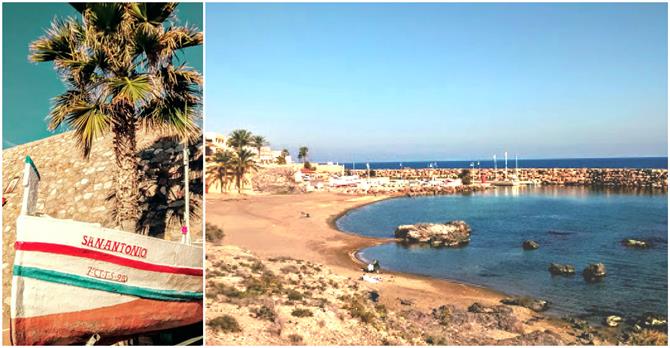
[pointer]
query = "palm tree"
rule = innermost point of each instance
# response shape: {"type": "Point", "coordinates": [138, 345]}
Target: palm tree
{"type": "Point", "coordinates": [243, 163]}
{"type": "Point", "coordinates": [281, 159]}
{"type": "Point", "coordinates": [302, 153]}
{"type": "Point", "coordinates": [239, 139]}
{"type": "Point", "coordinates": [258, 141]}
{"type": "Point", "coordinates": [219, 168]}
{"type": "Point", "coordinates": [118, 68]}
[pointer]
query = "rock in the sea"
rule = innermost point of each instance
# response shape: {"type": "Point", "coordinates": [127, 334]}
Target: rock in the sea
{"type": "Point", "coordinates": [560, 269]}
{"type": "Point", "coordinates": [594, 272]}
{"type": "Point", "coordinates": [613, 320]}
{"type": "Point", "coordinates": [653, 321]}
{"type": "Point", "coordinates": [530, 245]}
{"type": "Point", "coordinates": [450, 234]}
{"type": "Point", "coordinates": [635, 243]}
{"type": "Point", "coordinates": [528, 302]}
{"type": "Point", "coordinates": [480, 308]}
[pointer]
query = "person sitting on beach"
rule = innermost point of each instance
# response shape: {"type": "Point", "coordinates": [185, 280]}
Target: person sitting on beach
{"type": "Point", "coordinates": [373, 267]}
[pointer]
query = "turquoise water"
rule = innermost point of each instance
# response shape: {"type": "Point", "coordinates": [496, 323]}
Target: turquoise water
{"type": "Point", "coordinates": [572, 225]}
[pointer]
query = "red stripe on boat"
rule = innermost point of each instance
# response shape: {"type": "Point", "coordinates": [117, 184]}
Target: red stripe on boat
{"type": "Point", "coordinates": [98, 255]}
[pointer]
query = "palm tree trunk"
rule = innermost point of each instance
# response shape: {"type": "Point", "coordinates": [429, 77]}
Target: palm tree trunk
{"type": "Point", "coordinates": [238, 179]}
{"type": "Point", "coordinates": [126, 180]}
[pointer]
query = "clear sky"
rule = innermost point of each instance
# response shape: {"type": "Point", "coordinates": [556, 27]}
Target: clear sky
{"type": "Point", "coordinates": [370, 82]}
{"type": "Point", "coordinates": [27, 88]}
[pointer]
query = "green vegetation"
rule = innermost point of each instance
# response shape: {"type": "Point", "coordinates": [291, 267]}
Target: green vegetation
{"type": "Point", "coordinates": [213, 233]}
{"type": "Point", "coordinates": [303, 153]}
{"type": "Point", "coordinates": [258, 141]}
{"type": "Point", "coordinates": [294, 295]}
{"type": "Point", "coordinates": [295, 338]}
{"type": "Point", "coordinates": [357, 308]}
{"type": "Point", "coordinates": [265, 313]}
{"type": "Point", "coordinates": [236, 163]}
{"type": "Point", "coordinates": [466, 176]}
{"type": "Point", "coordinates": [117, 64]}
{"type": "Point", "coordinates": [302, 312]}
{"type": "Point", "coordinates": [225, 323]}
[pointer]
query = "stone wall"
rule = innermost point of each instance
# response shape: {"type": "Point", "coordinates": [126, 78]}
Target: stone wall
{"type": "Point", "coordinates": [654, 178]}
{"type": "Point", "coordinates": [81, 189]}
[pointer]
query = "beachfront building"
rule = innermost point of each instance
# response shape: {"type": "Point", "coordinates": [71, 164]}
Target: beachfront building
{"type": "Point", "coordinates": [214, 142]}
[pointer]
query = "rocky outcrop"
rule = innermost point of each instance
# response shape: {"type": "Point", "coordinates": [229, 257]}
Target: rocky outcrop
{"type": "Point", "coordinates": [594, 272]}
{"type": "Point", "coordinates": [653, 321]}
{"type": "Point", "coordinates": [613, 320]}
{"type": "Point", "coordinates": [635, 243]}
{"type": "Point", "coordinates": [530, 245]}
{"type": "Point", "coordinates": [561, 269]}
{"type": "Point", "coordinates": [528, 302]}
{"type": "Point", "coordinates": [450, 234]}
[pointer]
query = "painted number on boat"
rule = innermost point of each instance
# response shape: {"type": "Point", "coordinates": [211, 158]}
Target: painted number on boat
{"type": "Point", "coordinates": [107, 275]}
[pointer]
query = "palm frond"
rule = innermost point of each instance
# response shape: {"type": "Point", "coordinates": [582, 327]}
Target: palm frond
{"type": "Point", "coordinates": [62, 107]}
{"type": "Point", "coordinates": [89, 122]}
{"type": "Point", "coordinates": [59, 43]}
{"type": "Point", "coordinates": [171, 118]}
{"type": "Point", "coordinates": [105, 17]}
{"type": "Point", "coordinates": [135, 89]}
{"type": "Point", "coordinates": [177, 38]}
{"type": "Point", "coordinates": [152, 12]}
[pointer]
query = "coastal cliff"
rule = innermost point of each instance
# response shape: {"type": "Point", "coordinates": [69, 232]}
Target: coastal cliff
{"type": "Point", "coordinates": [610, 177]}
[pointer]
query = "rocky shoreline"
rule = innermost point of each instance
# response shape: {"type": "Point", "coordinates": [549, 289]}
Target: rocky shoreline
{"type": "Point", "coordinates": [609, 177]}
{"type": "Point", "coordinates": [648, 329]}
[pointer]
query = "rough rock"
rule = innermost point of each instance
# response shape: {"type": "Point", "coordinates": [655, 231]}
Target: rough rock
{"type": "Point", "coordinates": [530, 245]}
{"type": "Point", "coordinates": [561, 269]}
{"type": "Point", "coordinates": [613, 320]}
{"type": "Point", "coordinates": [450, 234]}
{"type": "Point", "coordinates": [528, 302]}
{"type": "Point", "coordinates": [594, 272]}
{"type": "Point", "coordinates": [480, 308]}
{"type": "Point", "coordinates": [635, 243]}
{"type": "Point", "coordinates": [653, 321]}
{"type": "Point", "coordinates": [535, 338]}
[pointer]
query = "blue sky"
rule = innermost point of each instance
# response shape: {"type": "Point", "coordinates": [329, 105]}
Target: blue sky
{"type": "Point", "coordinates": [370, 82]}
{"type": "Point", "coordinates": [28, 88]}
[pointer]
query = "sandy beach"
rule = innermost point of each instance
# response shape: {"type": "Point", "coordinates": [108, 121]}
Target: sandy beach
{"type": "Point", "coordinates": [274, 226]}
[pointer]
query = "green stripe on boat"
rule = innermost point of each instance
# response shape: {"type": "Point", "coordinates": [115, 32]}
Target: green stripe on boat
{"type": "Point", "coordinates": [97, 284]}
{"type": "Point", "coordinates": [32, 164]}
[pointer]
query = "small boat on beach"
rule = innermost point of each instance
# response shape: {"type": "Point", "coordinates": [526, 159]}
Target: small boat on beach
{"type": "Point", "coordinates": [75, 281]}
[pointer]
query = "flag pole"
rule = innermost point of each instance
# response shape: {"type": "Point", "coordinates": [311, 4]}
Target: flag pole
{"type": "Point", "coordinates": [186, 231]}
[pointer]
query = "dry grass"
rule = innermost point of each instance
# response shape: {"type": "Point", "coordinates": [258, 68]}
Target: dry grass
{"type": "Point", "coordinates": [225, 323]}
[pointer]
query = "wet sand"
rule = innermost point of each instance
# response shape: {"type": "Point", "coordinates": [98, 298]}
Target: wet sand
{"type": "Point", "coordinates": [274, 225]}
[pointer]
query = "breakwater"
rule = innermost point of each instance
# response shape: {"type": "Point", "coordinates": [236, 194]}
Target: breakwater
{"type": "Point", "coordinates": [610, 177]}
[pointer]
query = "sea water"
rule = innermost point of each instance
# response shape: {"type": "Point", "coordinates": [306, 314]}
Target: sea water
{"type": "Point", "coordinates": [572, 225]}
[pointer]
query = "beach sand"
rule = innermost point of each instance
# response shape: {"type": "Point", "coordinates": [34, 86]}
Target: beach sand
{"type": "Point", "coordinates": [274, 226]}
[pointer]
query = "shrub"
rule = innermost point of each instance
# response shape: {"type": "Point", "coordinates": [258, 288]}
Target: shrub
{"type": "Point", "coordinates": [225, 323]}
{"type": "Point", "coordinates": [294, 295]}
{"type": "Point", "coordinates": [295, 339]}
{"type": "Point", "coordinates": [213, 233]}
{"type": "Point", "coordinates": [302, 312]}
{"type": "Point", "coordinates": [466, 176]}
{"type": "Point", "coordinates": [265, 313]}
{"type": "Point", "coordinates": [289, 269]}
{"type": "Point", "coordinates": [437, 341]}
{"type": "Point", "coordinates": [357, 309]}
